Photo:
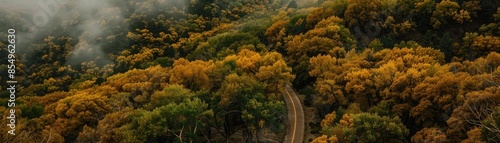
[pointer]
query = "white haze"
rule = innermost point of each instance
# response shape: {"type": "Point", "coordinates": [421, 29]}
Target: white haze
{"type": "Point", "coordinates": [89, 22]}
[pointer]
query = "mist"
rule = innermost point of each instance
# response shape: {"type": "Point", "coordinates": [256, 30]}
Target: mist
{"type": "Point", "coordinates": [94, 25]}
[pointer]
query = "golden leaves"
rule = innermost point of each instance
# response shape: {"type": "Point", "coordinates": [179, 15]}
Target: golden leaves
{"type": "Point", "coordinates": [474, 136]}
{"type": "Point", "coordinates": [192, 75]}
{"type": "Point", "coordinates": [329, 119]}
{"type": "Point", "coordinates": [248, 60]}
{"type": "Point", "coordinates": [361, 11]}
{"type": "Point", "coordinates": [71, 113]}
{"type": "Point", "coordinates": [485, 44]}
{"type": "Point", "coordinates": [82, 105]}
{"type": "Point", "coordinates": [445, 10]}
{"type": "Point", "coordinates": [325, 139]}
{"type": "Point", "coordinates": [322, 65]}
{"type": "Point", "coordinates": [347, 121]}
{"type": "Point", "coordinates": [277, 32]}
{"type": "Point", "coordinates": [429, 135]}
{"type": "Point", "coordinates": [358, 81]}
{"type": "Point", "coordinates": [276, 76]}
{"type": "Point", "coordinates": [156, 75]}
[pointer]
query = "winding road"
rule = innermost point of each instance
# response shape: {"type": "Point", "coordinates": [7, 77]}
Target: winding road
{"type": "Point", "coordinates": [295, 117]}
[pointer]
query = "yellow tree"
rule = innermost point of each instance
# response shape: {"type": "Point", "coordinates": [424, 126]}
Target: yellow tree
{"type": "Point", "coordinates": [436, 94]}
{"type": "Point", "coordinates": [139, 84]}
{"type": "Point", "coordinates": [277, 32]}
{"type": "Point", "coordinates": [477, 106]}
{"type": "Point", "coordinates": [474, 136]}
{"type": "Point", "coordinates": [483, 45]}
{"type": "Point", "coordinates": [108, 129]}
{"type": "Point", "coordinates": [383, 77]}
{"type": "Point", "coordinates": [325, 139]}
{"type": "Point", "coordinates": [192, 75]}
{"type": "Point", "coordinates": [447, 10]}
{"type": "Point", "coordinates": [330, 73]}
{"type": "Point", "coordinates": [69, 115]}
{"type": "Point", "coordinates": [321, 40]}
{"type": "Point", "coordinates": [133, 60]}
{"type": "Point", "coordinates": [429, 135]}
{"type": "Point", "coordinates": [275, 76]}
{"type": "Point", "coordinates": [249, 61]}
{"type": "Point", "coordinates": [360, 84]}
{"type": "Point", "coordinates": [362, 11]}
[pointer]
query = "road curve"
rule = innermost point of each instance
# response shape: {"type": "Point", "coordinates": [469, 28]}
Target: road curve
{"type": "Point", "coordinates": [295, 132]}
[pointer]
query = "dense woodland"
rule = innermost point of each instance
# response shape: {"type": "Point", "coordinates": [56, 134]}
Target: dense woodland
{"type": "Point", "coordinates": [210, 70]}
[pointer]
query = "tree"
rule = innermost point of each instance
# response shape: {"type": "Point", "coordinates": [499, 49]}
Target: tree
{"type": "Point", "coordinates": [276, 33]}
{"type": "Point", "coordinates": [477, 106]}
{"type": "Point", "coordinates": [429, 135]}
{"type": "Point", "coordinates": [292, 4]}
{"type": "Point", "coordinates": [480, 109]}
{"type": "Point", "coordinates": [472, 6]}
{"type": "Point", "coordinates": [435, 95]}
{"type": "Point", "coordinates": [476, 45]}
{"type": "Point", "coordinates": [68, 116]}
{"type": "Point", "coordinates": [234, 95]}
{"type": "Point", "coordinates": [492, 29]}
{"type": "Point", "coordinates": [171, 94]}
{"type": "Point", "coordinates": [192, 75]}
{"type": "Point", "coordinates": [134, 60]}
{"type": "Point", "coordinates": [446, 10]}
{"type": "Point", "coordinates": [366, 127]}
{"type": "Point", "coordinates": [483, 45]}
{"type": "Point", "coordinates": [109, 128]}
{"type": "Point", "coordinates": [361, 11]}
{"type": "Point", "coordinates": [139, 84]}
{"type": "Point", "coordinates": [276, 75]}
{"type": "Point", "coordinates": [474, 136]}
{"type": "Point", "coordinates": [157, 76]}
{"type": "Point", "coordinates": [243, 98]}
{"type": "Point", "coordinates": [321, 40]}
{"type": "Point", "coordinates": [256, 27]}
{"type": "Point", "coordinates": [325, 139]}
{"type": "Point", "coordinates": [220, 70]}
{"type": "Point", "coordinates": [360, 83]}
{"type": "Point", "coordinates": [328, 69]}
{"type": "Point", "coordinates": [236, 90]}
{"type": "Point", "coordinates": [490, 127]}
{"type": "Point", "coordinates": [181, 122]}
{"type": "Point", "coordinates": [261, 114]}
{"type": "Point", "coordinates": [315, 16]}
{"type": "Point", "coordinates": [249, 61]}
{"type": "Point", "coordinates": [230, 43]}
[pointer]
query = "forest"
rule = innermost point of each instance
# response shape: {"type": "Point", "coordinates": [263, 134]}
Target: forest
{"type": "Point", "coordinates": [177, 71]}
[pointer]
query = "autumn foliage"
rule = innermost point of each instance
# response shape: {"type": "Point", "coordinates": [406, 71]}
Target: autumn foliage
{"type": "Point", "coordinates": [215, 71]}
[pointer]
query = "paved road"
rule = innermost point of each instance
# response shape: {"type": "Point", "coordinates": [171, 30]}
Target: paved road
{"type": "Point", "coordinates": [295, 117]}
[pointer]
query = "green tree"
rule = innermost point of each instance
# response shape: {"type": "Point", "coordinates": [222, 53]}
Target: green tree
{"type": "Point", "coordinates": [292, 4]}
{"type": "Point", "coordinates": [171, 94]}
{"type": "Point", "coordinates": [180, 122]}
{"type": "Point", "coordinates": [226, 43]}
{"type": "Point", "coordinates": [366, 127]}
{"type": "Point", "coordinates": [490, 126]}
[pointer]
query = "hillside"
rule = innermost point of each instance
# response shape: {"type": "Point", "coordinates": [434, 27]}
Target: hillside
{"type": "Point", "coordinates": [216, 70]}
